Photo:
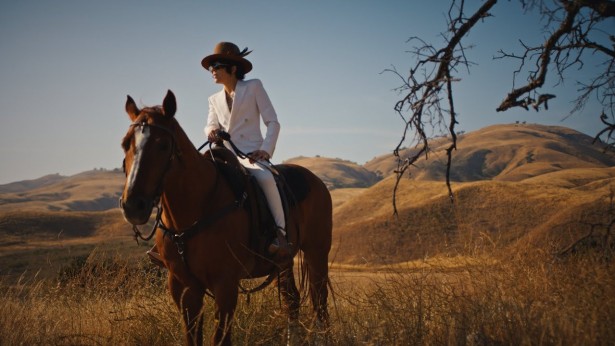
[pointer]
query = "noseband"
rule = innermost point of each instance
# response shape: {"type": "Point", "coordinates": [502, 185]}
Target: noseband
{"type": "Point", "coordinates": [156, 201]}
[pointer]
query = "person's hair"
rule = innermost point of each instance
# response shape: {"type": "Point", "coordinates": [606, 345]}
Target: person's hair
{"type": "Point", "coordinates": [240, 72]}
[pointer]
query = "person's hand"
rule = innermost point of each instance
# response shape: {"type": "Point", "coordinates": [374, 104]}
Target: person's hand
{"type": "Point", "coordinates": [212, 137]}
{"type": "Point", "coordinates": [258, 155]}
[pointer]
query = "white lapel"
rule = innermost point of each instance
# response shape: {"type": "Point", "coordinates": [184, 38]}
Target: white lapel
{"type": "Point", "coordinates": [222, 109]}
{"type": "Point", "coordinates": [239, 93]}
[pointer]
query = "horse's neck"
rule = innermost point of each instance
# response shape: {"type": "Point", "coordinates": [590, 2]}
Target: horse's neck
{"type": "Point", "coordinates": [187, 187]}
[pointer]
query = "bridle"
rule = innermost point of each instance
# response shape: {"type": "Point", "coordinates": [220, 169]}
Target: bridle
{"type": "Point", "coordinates": [174, 152]}
{"type": "Point", "coordinates": [180, 237]}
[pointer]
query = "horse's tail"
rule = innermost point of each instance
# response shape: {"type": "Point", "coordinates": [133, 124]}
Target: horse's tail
{"type": "Point", "coordinates": [305, 290]}
{"type": "Point", "coordinates": [304, 284]}
{"type": "Point", "coordinates": [314, 210]}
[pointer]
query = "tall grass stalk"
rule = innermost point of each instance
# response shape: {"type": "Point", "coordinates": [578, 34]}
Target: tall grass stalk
{"type": "Point", "coordinates": [520, 300]}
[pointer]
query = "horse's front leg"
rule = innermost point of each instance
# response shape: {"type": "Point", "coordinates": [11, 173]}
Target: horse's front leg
{"type": "Point", "coordinates": [189, 301]}
{"type": "Point", "coordinates": [225, 295]}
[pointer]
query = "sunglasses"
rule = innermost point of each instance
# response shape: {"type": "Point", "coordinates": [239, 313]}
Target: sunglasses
{"type": "Point", "coordinates": [216, 66]}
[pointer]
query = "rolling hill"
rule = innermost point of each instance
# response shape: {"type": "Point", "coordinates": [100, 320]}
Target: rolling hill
{"type": "Point", "coordinates": [25, 185]}
{"type": "Point", "coordinates": [504, 152]}
{"type": "Point", "coordinates": [517, 188]}
{"type": "Point", "coordinates": [95, 190]}
{"type": "Point", "coordinates": [336, 173]}
{"type": "Point", "coordinates": [543, 213]}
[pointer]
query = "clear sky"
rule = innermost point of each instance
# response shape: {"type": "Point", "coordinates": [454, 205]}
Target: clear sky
{"type": "Point", "coordinates": [67, 66]}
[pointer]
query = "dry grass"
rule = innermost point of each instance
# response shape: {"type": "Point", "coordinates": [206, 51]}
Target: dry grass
{"type": "Point", "coordinates": [475, 300]}
{"type": "Point", "coordinates": [513, 302]}
{"type": "Point", "coordinates": [545, 212]}
{"type": "Point", "coordinates": [340, 196]}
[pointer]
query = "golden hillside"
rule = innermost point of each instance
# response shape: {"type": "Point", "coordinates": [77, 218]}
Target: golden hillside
{"type": "Point", "coordinates": [88, 191]}
{"type": "Point", "coordinates": [53, 225]}
{"type": "Point", "coordinates": [546, 212]}
{"type": "Point", "coordinates": [25, 185]}
{"type": "Point", "coordinates": [336, 173]}
{"type": "Point", "coordinates": [517, 185]}
{"type": "Point", "coordinates": [504, 152]}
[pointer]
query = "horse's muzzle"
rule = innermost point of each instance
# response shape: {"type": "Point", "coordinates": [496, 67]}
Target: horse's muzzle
{"type": "Point", "coordinates": [136, 210]}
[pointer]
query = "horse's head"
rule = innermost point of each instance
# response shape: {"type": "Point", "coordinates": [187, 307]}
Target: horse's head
{"type": "Point", "coordinates": [149, 149]}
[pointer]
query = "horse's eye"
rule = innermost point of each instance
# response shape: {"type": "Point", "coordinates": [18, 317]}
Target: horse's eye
{"type": "Point", "coordinates": [126, 144]}
{"type": "Point", "coordinates": [163, 145]}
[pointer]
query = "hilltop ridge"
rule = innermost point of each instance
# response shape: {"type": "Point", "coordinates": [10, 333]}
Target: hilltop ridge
{"type": "Point", "coordinates": [25, 185]}
{"type": "Point", "coordinates": [511, 152]}
{"type": "Point", "coordinates": [337, 173]}
{"type": "Point", "coordinates": [95, 190]}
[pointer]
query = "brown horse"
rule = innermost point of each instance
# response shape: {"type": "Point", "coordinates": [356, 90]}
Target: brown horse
{"type": "Point", "coordinates": [163, 166]}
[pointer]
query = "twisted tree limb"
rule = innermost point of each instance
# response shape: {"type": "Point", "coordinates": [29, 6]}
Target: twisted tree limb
{"type": "Point", "coordinates": [428, 88]}
{"type": "Point", "coordinates": [423, 98]}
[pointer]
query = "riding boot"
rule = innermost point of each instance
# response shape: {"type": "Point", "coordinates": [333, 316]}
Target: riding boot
{"type": "Point", "coordinates": [279, 246]}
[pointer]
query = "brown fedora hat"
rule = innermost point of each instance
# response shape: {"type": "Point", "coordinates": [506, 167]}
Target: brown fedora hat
{"type": "Point", "coordinates": [227, 51]}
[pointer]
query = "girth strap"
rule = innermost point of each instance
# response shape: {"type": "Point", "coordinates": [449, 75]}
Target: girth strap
{"type": "Point", "coordinates": [180, 237]}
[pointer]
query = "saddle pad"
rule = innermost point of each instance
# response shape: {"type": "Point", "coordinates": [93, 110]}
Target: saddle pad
{"type": "Point", "coordinates": [294, 182]}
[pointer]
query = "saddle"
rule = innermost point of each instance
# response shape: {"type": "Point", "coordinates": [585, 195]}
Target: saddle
{"type": "Point", "coordinates": [292, 187]}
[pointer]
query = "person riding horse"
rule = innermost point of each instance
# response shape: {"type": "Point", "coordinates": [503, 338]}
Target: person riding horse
{"type": "Point", "coordinates": [237, 110]}
{"type": "Point", "coordinates": [207, 238]}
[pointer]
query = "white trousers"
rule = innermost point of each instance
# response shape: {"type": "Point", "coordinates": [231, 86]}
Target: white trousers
{"type": "Point", "coordinates": [267, 183]}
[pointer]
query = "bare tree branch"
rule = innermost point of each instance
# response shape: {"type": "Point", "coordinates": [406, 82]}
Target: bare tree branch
{"type": "Point", "coordinates": [574, 33]}
{"type": "Point", "coordinates": [537, 81]}
{"type": "Point", "coordinates": [565, 47]}
{"type": "Point", "coordinates": [427, 81]}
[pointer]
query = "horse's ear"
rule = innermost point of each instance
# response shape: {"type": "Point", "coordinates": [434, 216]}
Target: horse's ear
{"type": "Point", "coordinates": [169, 105]}
{"type": "Point", "coordinates": [131, 108]}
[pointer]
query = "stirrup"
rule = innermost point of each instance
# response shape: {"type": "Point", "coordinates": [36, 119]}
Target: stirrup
{"type": "Point", "coordinates": [279, 246]}
{"type": "Point", "coordinates": [155, 258]}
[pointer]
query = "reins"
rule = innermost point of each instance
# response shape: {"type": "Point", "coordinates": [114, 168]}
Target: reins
{"type": "Point", "coordinates": [180, 237]}
{"type": "Point", "coordinates": [227, 137]}
{"type": "Point", "coordinates": [137, 232]}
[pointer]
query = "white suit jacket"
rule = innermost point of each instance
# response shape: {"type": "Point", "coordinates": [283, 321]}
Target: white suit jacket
{"type": "Point", "coordinates": [251, 103]}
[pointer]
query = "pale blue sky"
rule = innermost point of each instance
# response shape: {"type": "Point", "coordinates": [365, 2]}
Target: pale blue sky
{"type": "Point", "coordinates": [67, 66]}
